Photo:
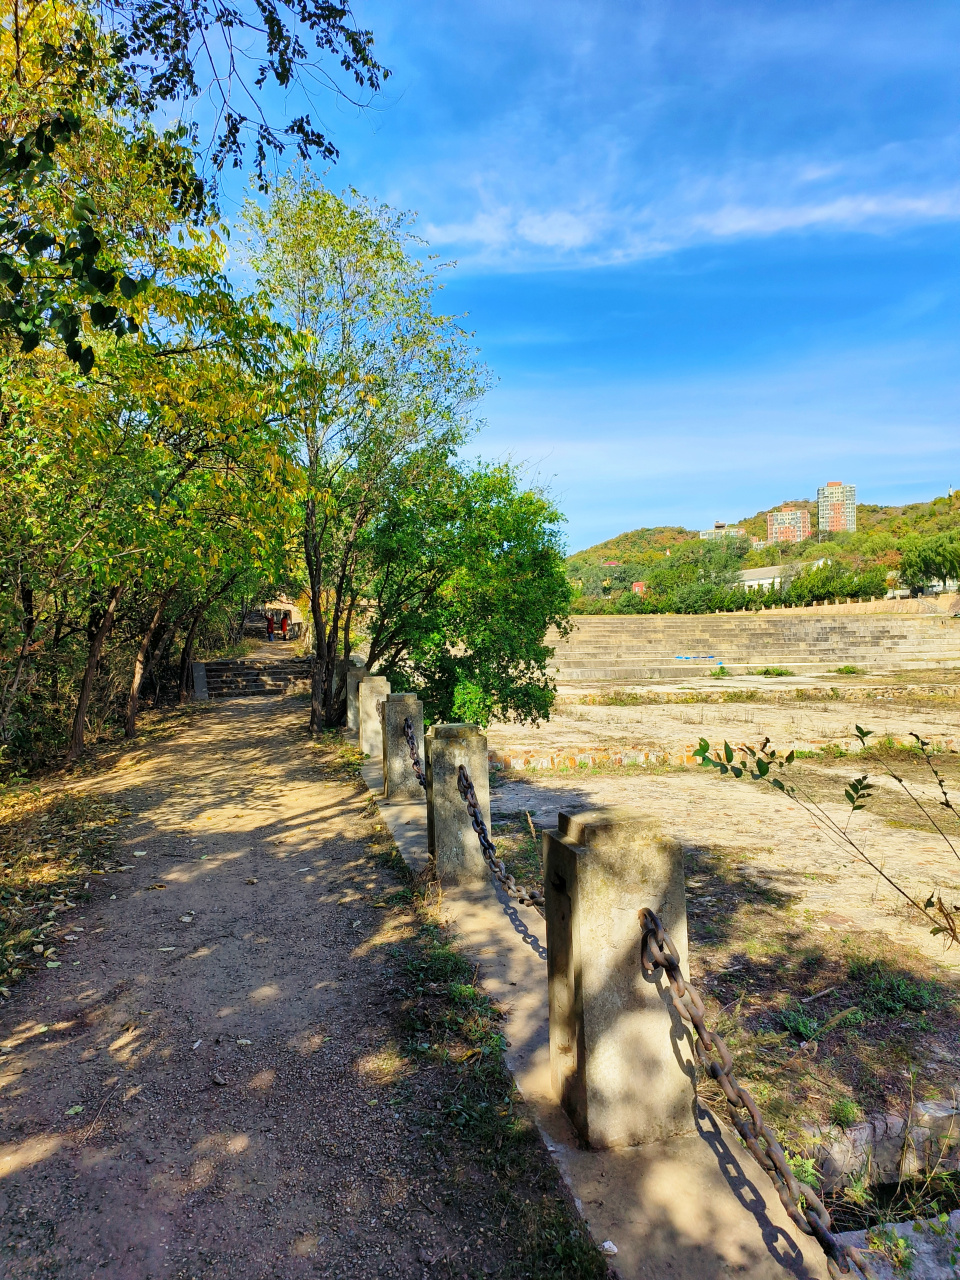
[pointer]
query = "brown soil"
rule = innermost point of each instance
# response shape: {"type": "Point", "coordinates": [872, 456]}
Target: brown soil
{"type": "Point", "coordinates": [243, 1066]}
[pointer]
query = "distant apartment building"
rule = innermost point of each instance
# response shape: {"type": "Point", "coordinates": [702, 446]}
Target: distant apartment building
{"type": "Point", "coordinates": [722, 530]}
{"type": "Point", "coordinates": [788, 525]}
{"type": "Point", "coordinates": [837, 507]}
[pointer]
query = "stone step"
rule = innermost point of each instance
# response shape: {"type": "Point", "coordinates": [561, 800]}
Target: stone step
{"type": "Point", "coordinates": [254, 677]}
{"type": "Point", "coordinates": [635, 648]}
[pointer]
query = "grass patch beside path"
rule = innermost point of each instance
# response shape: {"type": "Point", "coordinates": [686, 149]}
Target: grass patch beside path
{"type": "Point", "coordinates": [340, 759]}
{"type": "Point", "coordinates": [50, 844]}
{"type": "Point", "coordinates": [480, 1132]}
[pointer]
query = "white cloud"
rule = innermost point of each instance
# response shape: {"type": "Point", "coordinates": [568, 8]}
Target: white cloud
{"type": "Point", "coordinates": [493, 229]}
{"type": "Point", "coordinates": [858, 212]}
{"type": "Point", "coordinates": [525, 237]}
{"type": "Point", "coordinates": [558, 229]}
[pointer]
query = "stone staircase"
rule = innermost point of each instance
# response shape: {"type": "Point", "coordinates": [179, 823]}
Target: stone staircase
{"type": "Point", "coordinates": [249, 677]}
{"type": "Point", "coordinates": [629, 650]}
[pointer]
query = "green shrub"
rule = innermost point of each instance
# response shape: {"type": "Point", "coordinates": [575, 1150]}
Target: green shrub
{"type": "Point", "coordinates": [844, 1112]}
{"type": "Point", "coordinates": [803, 1168]}
{"type": "Point", "coordinates": [888, 994]}
{"type": "Point", "coordinates": [799, 1023]}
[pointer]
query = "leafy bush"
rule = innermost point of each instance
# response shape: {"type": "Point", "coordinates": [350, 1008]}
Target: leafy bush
{"type": "Point", "coordinates": [844, 1112]}
{"type": "Point", "coordinates": [799, 1023]}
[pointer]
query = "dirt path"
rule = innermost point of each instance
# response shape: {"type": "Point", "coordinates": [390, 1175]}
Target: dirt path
{"type": "Point", "coordinates": [235, 1025]}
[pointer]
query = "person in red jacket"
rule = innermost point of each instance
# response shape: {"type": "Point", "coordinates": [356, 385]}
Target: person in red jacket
{"type": "Point", "coordinates": [270, 626]}
{"type": "Point", "coordinates": [283, 627]}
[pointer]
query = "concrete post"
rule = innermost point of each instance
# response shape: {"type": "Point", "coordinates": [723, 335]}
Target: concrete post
{"type": "Point", "coordinates": [620, 1058]}
{"type": "Point", "coordinates": [428, 792]}
{"type": "Point", "coordinates": [399, 780]}
{"type": "Point", "coordinates": [200, 681]}
{"type": "Point", "coordinates": [354, 676]}
{"type": "Point", "coordinates": [373, 689]}
{"type": "Point", "coordinates": [454, 841]}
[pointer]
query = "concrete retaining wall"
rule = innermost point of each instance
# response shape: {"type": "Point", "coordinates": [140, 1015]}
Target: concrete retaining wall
{"type": "Point", "coordinates": [631, 649]}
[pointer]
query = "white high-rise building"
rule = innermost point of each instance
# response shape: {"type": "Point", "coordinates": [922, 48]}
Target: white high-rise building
{"type": "Point", "coordinates": [837, 507]}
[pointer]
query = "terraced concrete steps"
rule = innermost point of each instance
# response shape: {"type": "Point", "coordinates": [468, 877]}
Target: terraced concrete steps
{"type": "Point", "coordinates": [654, 646]}
{"type": "Point", "coordinates": [248, 677]}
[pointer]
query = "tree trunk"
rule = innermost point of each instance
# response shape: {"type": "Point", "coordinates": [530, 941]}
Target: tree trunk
{"type": "Point", "coordinates": [158, 653]}
{"type": "Point", "coordinates": [133, 700]}
{"type": "Point", "coordinates": [319, 626]}
{"type": "Point", "coordinates": [244, 614]}
{"type": "Point", "coordinates": [29, 626]}
{"type": "Point", "coordinates": [98, 636]}
{"type": "Point", "coordinates": [185, 683]}
{"type": "Point", "coordinates": [55, 668]}
{"type": "Point", "coordinates": [318, 681]}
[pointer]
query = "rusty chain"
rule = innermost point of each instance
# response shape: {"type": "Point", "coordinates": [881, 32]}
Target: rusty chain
{"type": "Point", "coordinates": [801, 1202]}
{"type": "Point", "coordinates": [526, 897]}
{"type": "Point", "coordinates": [414, 756]}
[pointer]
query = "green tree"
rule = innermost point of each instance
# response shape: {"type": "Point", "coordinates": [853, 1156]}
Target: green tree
{"type": "Point", "coordinates": [65, 142]}
{"type": "Point", "coordinates": [931, 559]}
{"type": "Point", "coordinates": [65, 67]}
{"type": "Point", "coordinates": [468, 577]}
{"type": "Point", "coordinates": [378, 387]}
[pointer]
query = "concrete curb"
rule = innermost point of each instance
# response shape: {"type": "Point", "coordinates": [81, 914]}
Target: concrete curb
{"type": "Point", "coordinates": [693, 1208]}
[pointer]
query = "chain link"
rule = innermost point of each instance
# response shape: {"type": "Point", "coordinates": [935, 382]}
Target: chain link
{"type": "Point", "coordinates": [801, 1202]}
{"type": "Point", "coordinates": [526, 897]}
{"type": "Point", "coordinates": [414, 757]}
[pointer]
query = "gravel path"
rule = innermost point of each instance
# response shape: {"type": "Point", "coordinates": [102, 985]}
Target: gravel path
{"type": "Point", "coordinates": [213, 1082]}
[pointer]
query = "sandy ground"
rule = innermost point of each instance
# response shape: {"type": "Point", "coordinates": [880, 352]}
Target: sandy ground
{"type": "Point", "coordinates": [224, 1017]}
{"type": "Point", "coordinates": [776, 839]}
{"type": "Point", "coordinates": [672, 727]}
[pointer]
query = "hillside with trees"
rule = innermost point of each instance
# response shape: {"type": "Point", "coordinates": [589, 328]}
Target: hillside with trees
{"type": "Point", "coordinates": [913, 547]}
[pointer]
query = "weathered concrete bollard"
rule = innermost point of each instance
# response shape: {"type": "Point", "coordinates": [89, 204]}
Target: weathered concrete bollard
{"type": "Point", "coordinates": [428, 790]}
{"type": "Point", "coordinates": [373, 689]}
{"type": "Point", "coordinates": [620, 1060]}
{"type": "Point", "coordinates": [200, 681]}
{"type": "Point", "coordinates": [354, 676]}
{"type": "Point", "coordinates": [399, 780]}
{"type": "Point", "coordinates": [450, 833]}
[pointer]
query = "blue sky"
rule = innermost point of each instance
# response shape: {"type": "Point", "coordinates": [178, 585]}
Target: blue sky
{"type": "Point", "coordinates": [710, 250]}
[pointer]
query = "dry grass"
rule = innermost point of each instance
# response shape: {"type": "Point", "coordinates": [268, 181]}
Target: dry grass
{"type": "Point", "coordinates": [50, 846]}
